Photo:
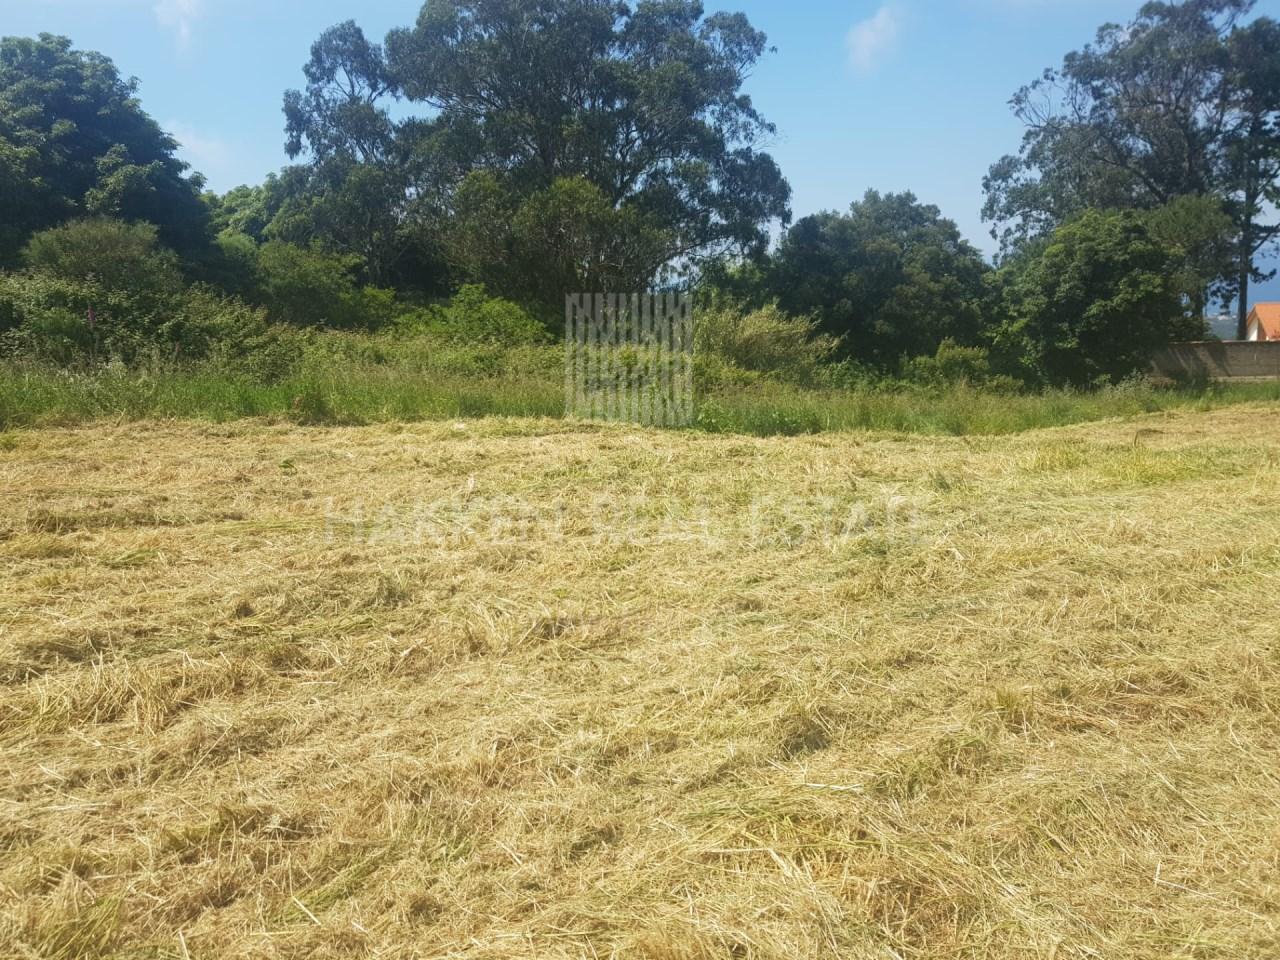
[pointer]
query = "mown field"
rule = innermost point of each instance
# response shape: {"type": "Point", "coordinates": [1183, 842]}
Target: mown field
{"type": "Point", "coordinates": [528, 688]}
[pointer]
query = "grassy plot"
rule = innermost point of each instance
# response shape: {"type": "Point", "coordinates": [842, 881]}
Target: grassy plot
{"type": "Point", "coordinates": [35, 396]}
{"type": "Point", "coordinates": [522, 688]}
{"type": "Point", "coordinates": [956, 410]}
{"type": "Point", "coordinates": [440, 388]}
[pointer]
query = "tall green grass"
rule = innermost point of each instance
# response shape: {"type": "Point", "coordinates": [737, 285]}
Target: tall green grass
{"type": "Point", "coordinates": [36, 397]}
{"type": "Point", "coordinates": [956, 410]}
{"type": "Point", "coordinates": [429, 385]}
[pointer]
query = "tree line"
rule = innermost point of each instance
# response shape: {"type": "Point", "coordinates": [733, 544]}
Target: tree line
{"type": "Point", "coordinates": [541, 147]}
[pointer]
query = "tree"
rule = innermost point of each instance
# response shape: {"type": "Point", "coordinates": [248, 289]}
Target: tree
{"type": "Point", "coordinates": [1253, 151]}
{"type": "Point", "coordinates": [353, 192]}
{"type": "Point", "coordinates": [1182, 102]}
{"type": "Point", "coordinates": [1131, 121]}
{"type": "Point", "coordinates": [343, 111]}
{"type": "Point", "coordinates": [119, 256]}
{"type": "Point", "coordinates": [1093, 304]}
{"type": "Point", "coordinates": [565, 237]}
{"type": "Point", "coordinates": [349, 208]}
{"type": "Point", "coordinates": [893, 278]}
{"type": "Point", "coordinates": [245, 210]}
{"type": "Point", "coordinates": [618, 139]}
{"type": "Point", "coordinates": [1197, 235]}
{"type": "Point", "coordinates": [75, 142]}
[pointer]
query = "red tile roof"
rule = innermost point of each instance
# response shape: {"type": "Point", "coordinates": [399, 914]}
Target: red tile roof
{"type": "Point", "coordinates": [1268, 316]}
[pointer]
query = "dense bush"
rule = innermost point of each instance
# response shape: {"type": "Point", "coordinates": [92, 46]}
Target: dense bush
{"type": "Point", "coordinates": [262, 353]}
{"type": "Point", "coordinates": [204, 323]}
{"type": "Point", "coordinates": [48, 318]}
{"type": "Point", "coordinates": [1086, 306]}
{"type": "Point", "coordinates": [64, 321]}
{"type": "Point", "coordinates": [102, 289]}
{"type": "Point", "coordinates": [954, 364]}
{"type": "Point", "coordinates": [892, 278]}
{"type": "Point", "coordinates": [1092, 305]}
{"type": "Point", "coordinates": [231, 265]}
{"type": "Point", "coordinates": [472, 316]}
{"type": "Point", "coordinates": [311, 288]}
{"type": "Point", "coordinates": [91, 287]}
{"type": "Point", "coordinates": [765, 341]}
{"type": "Point", "coordinates": [124, 257]}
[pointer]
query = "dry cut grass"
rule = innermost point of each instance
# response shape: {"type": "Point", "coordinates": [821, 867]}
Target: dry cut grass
{"type": "Point", "coordinates": [531, 689]}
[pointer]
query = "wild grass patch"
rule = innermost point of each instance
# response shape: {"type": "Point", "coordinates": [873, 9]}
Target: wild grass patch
{"type": "Point", "coordinates": [399, 380]}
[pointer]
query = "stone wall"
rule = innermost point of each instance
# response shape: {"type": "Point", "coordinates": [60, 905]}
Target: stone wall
{"type": "Point", "coordinates": [1217, 360]}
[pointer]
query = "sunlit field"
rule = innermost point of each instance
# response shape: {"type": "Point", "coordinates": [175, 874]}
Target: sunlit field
{"type": "Point", "coordinates": [531, 688]}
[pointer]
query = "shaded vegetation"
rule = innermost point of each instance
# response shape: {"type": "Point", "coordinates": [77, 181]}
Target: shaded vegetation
{"type": "Point", "coordinates": [312, 378]}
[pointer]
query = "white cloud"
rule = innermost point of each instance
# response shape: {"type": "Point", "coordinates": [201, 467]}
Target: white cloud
{"type": "Point", "coordinates": [871, 40]}
{"type": "Point", "coordinates": [179, 16]}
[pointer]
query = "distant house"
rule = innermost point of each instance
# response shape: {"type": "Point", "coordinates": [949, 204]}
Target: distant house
{"type": "Point", "coordinates": [1264, 322]}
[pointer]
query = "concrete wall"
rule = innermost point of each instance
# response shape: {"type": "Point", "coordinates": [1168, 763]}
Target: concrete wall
{"type": "Point", "coordinates": [1233, 360]}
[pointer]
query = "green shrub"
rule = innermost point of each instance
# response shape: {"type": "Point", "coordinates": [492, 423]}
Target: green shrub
{"type": "Point", "coordinates": [205, 322]}
{"type": "Point", "coordinates": [375, 306]}
{"type": "Point", "coordinates": [766, 341]}
{"type": "Point", "coordinates": [268, 356]}
{"type": "Point", "coordinates": [231, 265]}
{"type": "Point", "coordinates": [339, 350]}
{"type": "Point", "coordinates": [712, 373]}
{"type": "Point", "coordinates": [956, 364]}
{"type": "Point", "coordinates": [93, 288]}
{"type": "Point", "coordinates": [60, 320]}
{"type": "Point", "coordinates": [117, 256]}
{"type": "Point", "coordinates": [305, 287]}
{"type": "Point", "coordinates": [472, 316]}
{"type": "Point", "coordinates": [1093, 304]}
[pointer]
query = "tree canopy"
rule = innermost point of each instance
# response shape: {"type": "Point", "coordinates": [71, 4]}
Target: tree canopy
{"type": "Point", "coordinates": [569, 144]}
{"type": "Point", "coordinates": [892, 277]}
{"type": "Point", "coordinates": [523, 150]}
{"type": "Point", "coordinates": [1093, 305]}
{"type": "Point", "coordinates": [1183, 101]}
{"type": "Point", "coordinates": [75, 142]}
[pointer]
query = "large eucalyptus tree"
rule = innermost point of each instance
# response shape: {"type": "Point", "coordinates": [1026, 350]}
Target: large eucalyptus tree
{"type": "Point", "coordinates": [560, 145]}
{"type": "Point", "coordinates": [1182, 102]}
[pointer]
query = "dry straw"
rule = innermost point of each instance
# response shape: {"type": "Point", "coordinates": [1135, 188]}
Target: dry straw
{"type": "Point", "coordinates": [275, 691]}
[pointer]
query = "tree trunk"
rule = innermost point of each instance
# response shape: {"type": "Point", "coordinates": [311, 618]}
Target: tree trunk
{"type": "Point", "coordinates": [1242, 317]}
{"type": "Point", "coordinates": [1246, 259]}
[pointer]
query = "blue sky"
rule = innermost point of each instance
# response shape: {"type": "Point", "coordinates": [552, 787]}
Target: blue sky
{"type": "Point", "coordinates": [885, 94]}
